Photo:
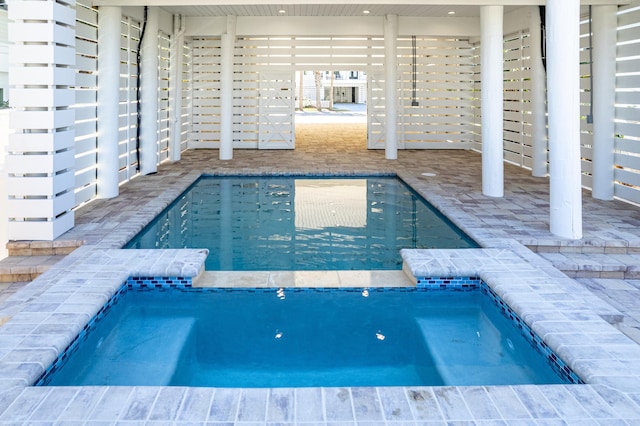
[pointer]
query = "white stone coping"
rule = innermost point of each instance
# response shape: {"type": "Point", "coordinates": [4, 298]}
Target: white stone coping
{"type": "Point", "coordinates": [48, 313]}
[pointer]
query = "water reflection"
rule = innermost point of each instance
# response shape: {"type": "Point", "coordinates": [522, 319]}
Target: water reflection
{"type": "Point", "coordinates": [282, 223]}
{"type": "Point", "coordinates": [329, 203]}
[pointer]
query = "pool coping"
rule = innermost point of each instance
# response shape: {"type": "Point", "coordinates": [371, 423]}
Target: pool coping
{"type": "Point", "coordinates": [49, 312]}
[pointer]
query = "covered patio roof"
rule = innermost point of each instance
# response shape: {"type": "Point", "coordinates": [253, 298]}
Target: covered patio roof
{"type": "Point", "coordinates": [436, 8]}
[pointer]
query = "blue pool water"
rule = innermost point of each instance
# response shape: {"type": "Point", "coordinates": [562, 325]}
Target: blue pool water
{"type": "Point", "coordinates": [303, 337]}
{"type": "Point", "coordinates": [286, 223]}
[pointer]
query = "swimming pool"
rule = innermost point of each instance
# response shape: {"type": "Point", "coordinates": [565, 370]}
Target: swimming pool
{"type": "Point", "coordinates": [301, 223]}
{"type": "Point", "coordinates": [304, 337]}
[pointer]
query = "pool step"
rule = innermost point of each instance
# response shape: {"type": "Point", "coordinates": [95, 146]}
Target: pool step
{"type": "Point", "coordinates": [277, 279]}
{"type": "Point", "coordinates": [29, 259]}
{"type": "Point", "coordinates": [596, 265]}
{"type": "Point", "coordinates": [25, 268]}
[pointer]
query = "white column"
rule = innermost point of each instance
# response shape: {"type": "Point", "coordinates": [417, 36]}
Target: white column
{"type": "Point", "coordinates": [604, 28]}
{"type": "Point", "coordinates": [226, 90]}
{"type": "Point", "coordinates": [149, 95]}
{"type": "Point", "coordinates": [109, 22]}
{"type": "Point", "coordinates": [175, 89]}
{"type": "Point", "coordinates": [563, 88]}
{"type": "Point", "coordinates": [538, 97]}
{"type": "Point", "coordinates": [391, 86]}
{"type": "Point", "coordinates": [41, 159]}
{"type": "Point", "coordinates": [491, 58]}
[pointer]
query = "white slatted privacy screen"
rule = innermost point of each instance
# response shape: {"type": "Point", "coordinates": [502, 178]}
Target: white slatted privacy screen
{"type": "Point", "coordinates": [86, 90]}
{"type": "Point", "coordinates": [186, 96]}
{"type": "Point", "coordinates": [205, 93]}
{"type": "Point", "coordinates": [517, 100]}
{"type": "Point", "coordinates": [442, 72]}
{"type": "Point", "coordinates": [443, 79]}
{"type": "Point", "coordinates": [164, 41]}
{"type": "Point", "coordinates": [586, 129]}
{"type": "Point", "coordinates": [517, 122]}
{"type": "Point", "coordinates": [627, 155]}
{"type": "Point", "coordinates": [444, 85]}
{"type": "Point", "coordinates": [129, 38]}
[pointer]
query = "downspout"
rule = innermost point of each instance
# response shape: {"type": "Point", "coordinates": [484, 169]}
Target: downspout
{"type": "Point", "coordinates": [138, 96]}
{"type": "Point", "coordinates": [543, 36]}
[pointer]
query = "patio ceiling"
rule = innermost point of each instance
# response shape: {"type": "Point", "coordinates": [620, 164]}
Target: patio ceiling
{"type": "Point", "coordinates": [419, 8]}
{"type": "Point", "coordinates": [328, 10]}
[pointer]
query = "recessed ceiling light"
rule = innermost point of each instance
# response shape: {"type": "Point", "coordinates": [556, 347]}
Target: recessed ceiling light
{"type": "Point", "coordinates": [282, 11]}
{"type": "Point", "coordinates": [366, 12]}
{"type": "Point", "coordinates": [451, 12]}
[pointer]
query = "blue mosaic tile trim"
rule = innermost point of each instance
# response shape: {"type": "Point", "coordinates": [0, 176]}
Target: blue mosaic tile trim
{"type": "Point", "coordinates": [159, 282]}
{"type": "Point", "coordinates": [81, 337]}
{"type": "Point", "coordinates": [558, 365]}
{"type": "Point", "coordinates": [448, 283]}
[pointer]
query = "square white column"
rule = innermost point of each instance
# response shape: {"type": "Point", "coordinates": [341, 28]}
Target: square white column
{"type": "Point", "coordinates": [40, 160]}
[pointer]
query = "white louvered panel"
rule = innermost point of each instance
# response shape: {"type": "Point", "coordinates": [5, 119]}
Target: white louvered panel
{"type": "Point", "coordinates": [628, 177]}
{"type": "Point", "coordinates": [442, 132]}
{"type": "Point", "coordinates": [88, 64]}
{"type": "Point", "coordinates": [205, 95]}
{"type": "Point", "coordinates": [586, 136]}
{"type": "Point", "coordinates": [375, 110]}
{"type": "Point", "coordinates": [432, 104]}
{"type": "Point", "coordinates": [515, 83]}
{"type": "Point", "coordinates": [86, 144]}
{"type": "Point", "coordinates": [86, 92]}
{"type": "Point", "coordinates": [86, 80]}
{"type": "Point", "coordinates": [627, 191]}
{"type": "Point", "coordinates": [628, 145]}
{"type": "Point", "coordinates": [186, 102]}
{"type": "Point", "coordinates": [246, 109]}
{"type": "Point", "coordinates": [514, 127]}
{"type": "Point", "coordinates": [444, 84]}
{"type": "Point", "coordinates": [628, 131]}
{"type": "Point", "coordinates": [84, 165]}
{"type": "Point", "coordinates": [626, 162]}
{"type": "Point", "coordinates": [129, 38]}
{"type": "Point", "coordinates": [164, 43]}
{"type": "Point", "coordinates": [123, 161]}
{"type": "Point", "coordinates": [587, 167]}
{"type": "Point", "coordinates": [587, 180]}
{"type": "Point", "coordinates": [512, 157]}
{"type": "Point", "coordinates": [586, 152]}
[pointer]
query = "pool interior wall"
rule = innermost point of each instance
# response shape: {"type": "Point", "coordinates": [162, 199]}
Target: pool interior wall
{"type": "Point", "coordinates": [524, 358]}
